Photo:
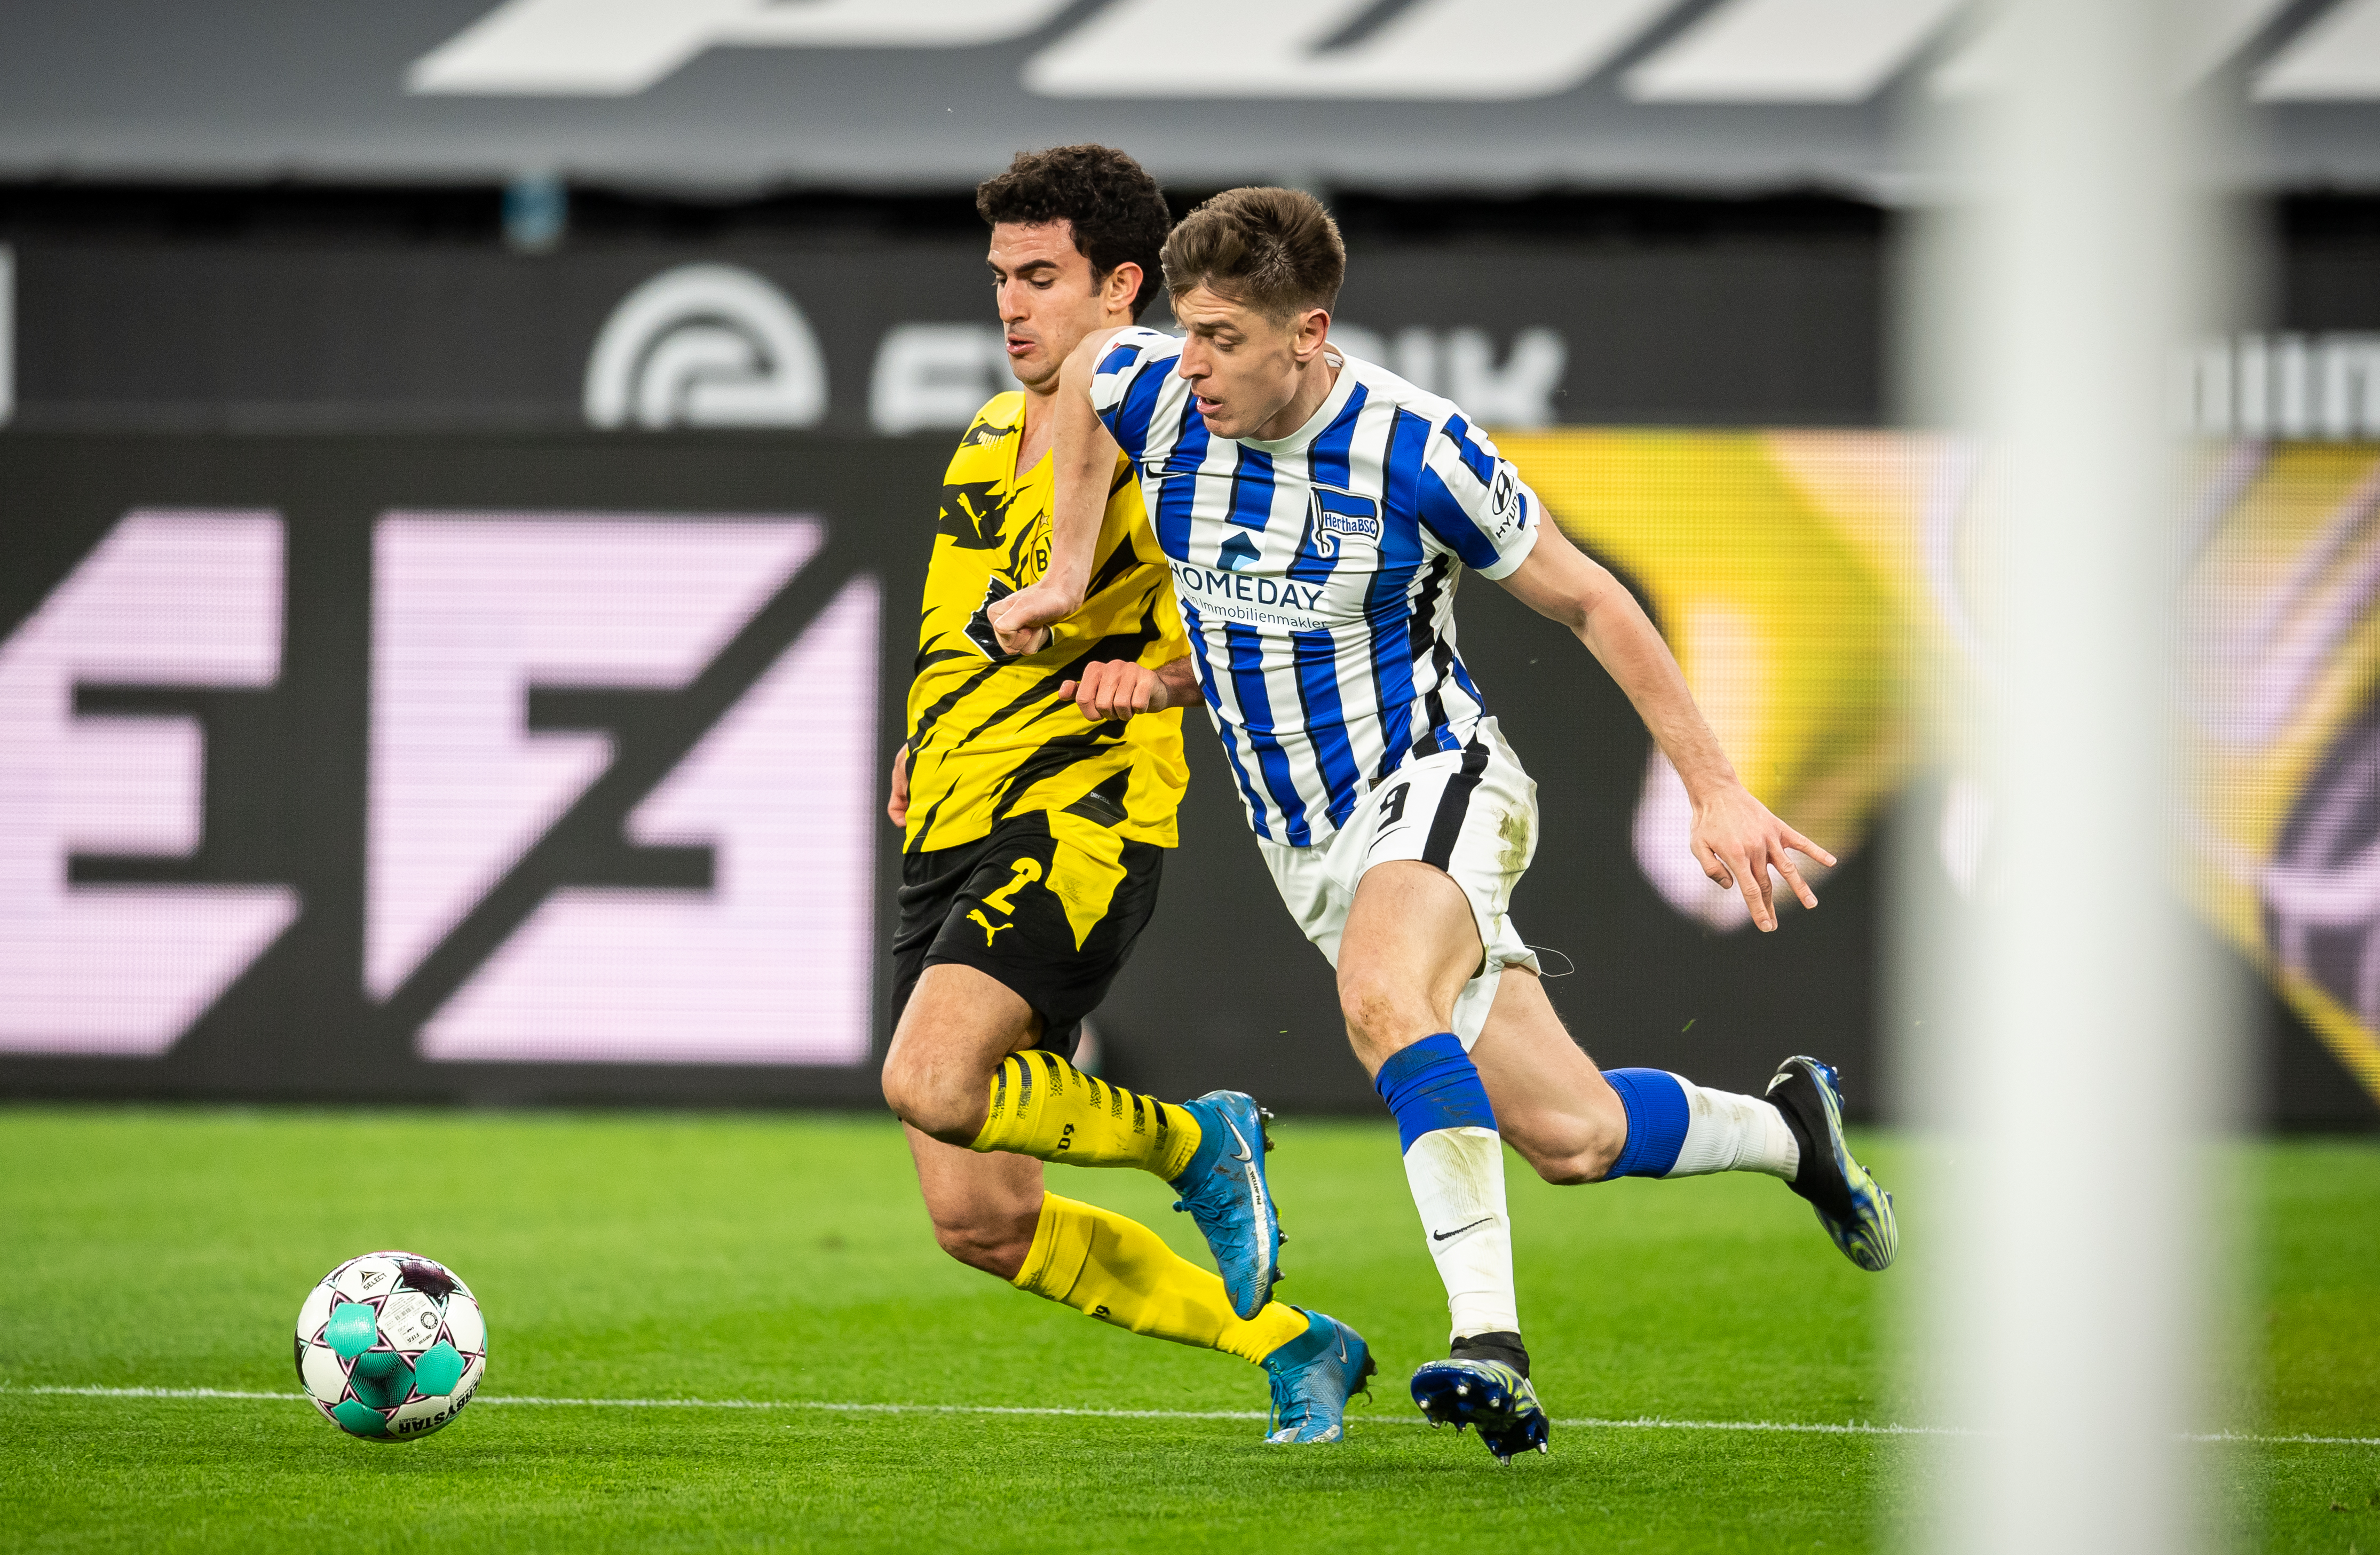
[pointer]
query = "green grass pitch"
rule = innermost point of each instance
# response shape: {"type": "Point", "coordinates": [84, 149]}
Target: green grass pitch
{"type": "Point", "coordinates": [786, 1259]}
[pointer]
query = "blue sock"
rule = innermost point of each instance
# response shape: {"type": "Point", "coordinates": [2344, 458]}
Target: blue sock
{"type": "Point", "coordinates": [1656, 1104]}
{"type": "Point", "coordinates": [1432, 1084]}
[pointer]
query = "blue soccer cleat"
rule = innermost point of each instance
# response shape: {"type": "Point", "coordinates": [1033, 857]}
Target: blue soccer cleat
{"type": "Point", "coordinates": [1855, 1211]}
{"type": "Point", "coordinates": [1489, 1394]}
{"type": "Point", "coordinates": [1224, 1188]}
{"type": "Point", "coordinates": [1312, 1377]}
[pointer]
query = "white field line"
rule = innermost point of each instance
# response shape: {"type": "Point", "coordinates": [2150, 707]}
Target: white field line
{"type": "Point", "coordinates": [1642, 1423]}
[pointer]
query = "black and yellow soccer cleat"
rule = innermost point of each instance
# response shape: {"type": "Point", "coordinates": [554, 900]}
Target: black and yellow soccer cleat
{"type": "Point", "coordinates": [1484, 1388]}
{"type": "Point", "coordinates": [1856, 1211]}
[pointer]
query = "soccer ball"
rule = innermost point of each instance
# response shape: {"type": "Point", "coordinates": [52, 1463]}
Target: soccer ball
{"type": "Point", "coordinates": [390, 1346]}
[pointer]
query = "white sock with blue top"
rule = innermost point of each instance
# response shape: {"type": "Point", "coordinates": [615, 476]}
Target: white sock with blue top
{"type": "Point", "coordinates": [1676, 1128]}
{"type": "Point", "coordinates": [1455, 1163]}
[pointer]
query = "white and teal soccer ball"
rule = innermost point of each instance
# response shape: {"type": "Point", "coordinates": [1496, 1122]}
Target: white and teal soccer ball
{"type": "Point", "coordinates": [390, 1346]}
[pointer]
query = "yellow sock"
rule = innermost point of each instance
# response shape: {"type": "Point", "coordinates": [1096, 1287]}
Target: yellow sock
{"type": "Point", "coordinates": [1044, 1107]}
{"type": "Point", "coordinates": [1118, 1270]}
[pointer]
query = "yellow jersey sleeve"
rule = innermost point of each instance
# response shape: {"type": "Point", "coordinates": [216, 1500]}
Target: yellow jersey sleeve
{"type": "Point", "coordinates": [990, 738]}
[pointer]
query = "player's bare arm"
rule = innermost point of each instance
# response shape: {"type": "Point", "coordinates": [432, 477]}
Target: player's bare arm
{"type": "Point", "coordinates": [1251, 373]}
{"type": "Point", "coordinates": [1735, 838]}
{"type": "Point", "coordinates": [1083, 459]}
{"type": "Point", "coordinates": [1122, 688]}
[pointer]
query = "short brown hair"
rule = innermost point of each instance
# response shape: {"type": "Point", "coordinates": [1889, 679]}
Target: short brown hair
{"type": "Point", "coordinates": [1277, 251]}
{"type": "Point", "coordinates": [1118, 212]}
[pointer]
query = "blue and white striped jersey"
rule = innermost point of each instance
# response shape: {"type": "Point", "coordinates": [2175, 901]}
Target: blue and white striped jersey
{"type": "Point", "coordinates": [1315, 572]}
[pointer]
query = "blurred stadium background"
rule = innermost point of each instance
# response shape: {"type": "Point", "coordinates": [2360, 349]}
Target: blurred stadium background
{"type": "Point", "coordinates": [467, 471]}
{"type": "Point", "coordinates": [465, 475]}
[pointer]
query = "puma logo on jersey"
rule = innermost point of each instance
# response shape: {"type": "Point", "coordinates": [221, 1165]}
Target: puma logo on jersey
{"type": "Point", "coordinates": [971, 517]}
{"type": "Point", "coordinates": [989, 927]}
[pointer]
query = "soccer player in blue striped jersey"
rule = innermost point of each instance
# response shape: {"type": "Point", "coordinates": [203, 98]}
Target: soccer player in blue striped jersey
{"type": "Point", "coordinates": [1316, 513]}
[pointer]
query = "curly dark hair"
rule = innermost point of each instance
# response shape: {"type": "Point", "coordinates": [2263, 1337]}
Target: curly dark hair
{"type": "Point", "coordinates": [1118, 212]}
{"type": "Point", "coordinates": [1278, 250]}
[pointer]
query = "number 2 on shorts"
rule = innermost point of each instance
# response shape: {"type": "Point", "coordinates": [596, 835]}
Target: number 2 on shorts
{"type": "Point", "coordinates": [1026, 872]}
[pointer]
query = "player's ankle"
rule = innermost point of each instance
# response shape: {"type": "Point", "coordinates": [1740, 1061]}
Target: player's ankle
{"type": "Point", "coordinates": [1502, 1345]}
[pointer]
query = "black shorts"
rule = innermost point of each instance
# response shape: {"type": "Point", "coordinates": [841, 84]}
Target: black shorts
{"type": "Point", "coordinates": [1051, 921]}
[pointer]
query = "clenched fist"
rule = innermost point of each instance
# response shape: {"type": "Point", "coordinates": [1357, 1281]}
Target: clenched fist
{"type": "Point", "coordinates": [1114, 689]}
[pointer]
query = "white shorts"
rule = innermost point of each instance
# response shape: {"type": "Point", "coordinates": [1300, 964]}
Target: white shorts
{"type": "Point", "coordinates": [1472, 813]}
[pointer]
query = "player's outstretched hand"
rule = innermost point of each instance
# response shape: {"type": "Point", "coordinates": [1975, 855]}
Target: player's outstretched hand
{"type": "Point", "coordinates": [1737, 841]}
{"type": "Point", "coordinates": [1114, 689]}
{"type": "Point", "coordinates": [1022, 620]}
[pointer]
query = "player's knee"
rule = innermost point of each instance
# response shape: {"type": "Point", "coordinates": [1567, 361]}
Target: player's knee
{"type": "Point", "coordinates": [993, 1241]}
{"type": "Point", "coordinates": [899, 1080]}
{"type": "Point", "coordinates": [1376, 1012]}
{"type": "Point", "coordinates": [942, 1117]}
{"type": "Point", "coordinates": [924, 1096]}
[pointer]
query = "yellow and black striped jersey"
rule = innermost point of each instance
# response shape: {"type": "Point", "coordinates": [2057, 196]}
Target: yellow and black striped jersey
{"type": "Point", "coordinates": [988, 739]}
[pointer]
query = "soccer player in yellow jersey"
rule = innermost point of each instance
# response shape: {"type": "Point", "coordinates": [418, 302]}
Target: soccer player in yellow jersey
{"type": "Point", "coordinates": [1036, 797]}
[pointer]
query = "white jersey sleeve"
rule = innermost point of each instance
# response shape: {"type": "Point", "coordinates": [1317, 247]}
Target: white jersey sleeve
{"type": "Point", "coordinates": [1130, 376]}
{"type": "Point", "coordinates": [1472, 501]}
